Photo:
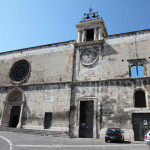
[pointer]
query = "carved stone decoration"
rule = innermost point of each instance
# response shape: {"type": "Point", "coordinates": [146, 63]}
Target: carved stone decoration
{"type": "Point", "coordinates": [15, 96]}
{"type": "Point", "coordinates": [14, 100]}
{"type": "Point", "coordinates": [20, 71]}
{"type": "Point", "coordinates": [88, 57]}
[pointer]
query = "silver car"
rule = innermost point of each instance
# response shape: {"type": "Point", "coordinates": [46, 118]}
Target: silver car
{"type": "Point", "coordinates": [147, 138]}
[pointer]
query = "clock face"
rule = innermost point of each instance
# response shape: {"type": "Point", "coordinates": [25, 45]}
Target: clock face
{"type": "Point", "coordinates": [88, 57]}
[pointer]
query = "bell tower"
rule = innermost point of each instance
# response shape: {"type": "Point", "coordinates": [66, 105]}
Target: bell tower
{"type": "Point", "coordinates": [87, 68]}
{"type": "Point", "coordinates": [91, 28]}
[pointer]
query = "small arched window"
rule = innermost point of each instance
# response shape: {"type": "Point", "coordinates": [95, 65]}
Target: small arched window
{"type": "Point", "coordinates": [140, 100]}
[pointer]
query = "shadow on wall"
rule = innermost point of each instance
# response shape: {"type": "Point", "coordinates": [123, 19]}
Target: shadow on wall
{"type": "Point", "coordinates": [108, 50]}
{"type": "Point", "coordinates": [26, 111]}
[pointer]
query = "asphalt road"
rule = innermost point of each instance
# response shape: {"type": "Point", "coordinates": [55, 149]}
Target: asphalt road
{"type": "Point", "coordinates": [4, 145]}
{"type": "Point", "coordinates": [19, 141]}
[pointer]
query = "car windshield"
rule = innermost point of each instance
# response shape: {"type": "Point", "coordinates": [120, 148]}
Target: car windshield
{"type": "Point", "coordinates": [113, 131]}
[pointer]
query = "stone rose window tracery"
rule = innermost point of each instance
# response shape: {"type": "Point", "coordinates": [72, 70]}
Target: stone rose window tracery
{"type": "Point", "coordinates": [20, 71]}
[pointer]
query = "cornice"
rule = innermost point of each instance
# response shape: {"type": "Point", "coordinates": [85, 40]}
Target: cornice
{"type": "Point", "coordinates": [38, 47]}
{"type": "Point", "coordinates": [89, 22]}
{"type": "Point", "coordinates": [128, 34]}
{"type": "Point", "coordinates": [89, 43]}
{"type": "Point", "coordinates": [146, 80]}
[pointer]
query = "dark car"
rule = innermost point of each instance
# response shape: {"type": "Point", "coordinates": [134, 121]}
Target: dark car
{"type": "Point", "coordinates": [114, 134]}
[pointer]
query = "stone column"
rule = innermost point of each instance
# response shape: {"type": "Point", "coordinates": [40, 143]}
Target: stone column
{"type": "Point", "coordinates": [1, 121]}
{"type": "Point", "coordinates": [20, 117]}
{"type": "Point", "coordinates": [147, 99]}
{"type": "Point", "coordinates": [6, 114]}
{"type": "Point", "coordinates": [95, 34]}
{"type": "Point", "coordinates": [79, 36]}
{"type": "Point", "coordinates": [84, 36]}
{"type": "Point", "coordinates": [100, 34]}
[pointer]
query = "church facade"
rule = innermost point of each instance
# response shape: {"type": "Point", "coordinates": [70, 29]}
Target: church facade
{"type": "Point", "coordinates": [81, 87]}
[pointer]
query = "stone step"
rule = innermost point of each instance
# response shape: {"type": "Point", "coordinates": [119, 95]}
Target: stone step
{"type": "Point", "coordinates": [37, 132]}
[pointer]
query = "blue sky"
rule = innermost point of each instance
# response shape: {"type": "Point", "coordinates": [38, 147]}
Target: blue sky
{"type": "Point", "coordinates": [28, 23]}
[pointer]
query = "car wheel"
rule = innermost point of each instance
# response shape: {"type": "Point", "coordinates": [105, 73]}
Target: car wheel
{"type": "Point", "coordinates": [106, 140]}
{"type": "Point", "coordinates": [123, 140]}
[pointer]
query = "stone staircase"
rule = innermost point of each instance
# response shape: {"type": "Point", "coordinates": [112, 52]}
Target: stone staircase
{"type": "Point", "coordinates": [36, 132]}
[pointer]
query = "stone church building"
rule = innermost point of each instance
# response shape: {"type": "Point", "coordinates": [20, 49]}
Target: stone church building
{"type": "Point", "coordinates": [81, 87]}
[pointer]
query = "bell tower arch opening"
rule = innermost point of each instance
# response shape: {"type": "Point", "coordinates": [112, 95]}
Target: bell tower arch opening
{"type": "Point", "coordinates": [90, 34]}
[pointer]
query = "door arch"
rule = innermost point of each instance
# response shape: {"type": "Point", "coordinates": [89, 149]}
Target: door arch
{"type": "Point", "coordinates": [13, 108]}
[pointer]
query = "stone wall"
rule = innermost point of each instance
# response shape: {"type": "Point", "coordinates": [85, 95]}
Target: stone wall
{"type": "Point", "coordinates": [54, 98]}
{"type": "Point", "coordinates": [115, 104]}
{"type": "Point", "coordinates": [107, 82]}
{"type": "Point", "coordinates": [49, 64]}
{"type": "Point", "coordinates": [114, 53]}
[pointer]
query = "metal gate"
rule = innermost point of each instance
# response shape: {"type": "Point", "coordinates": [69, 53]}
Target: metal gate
{"type": "Point", "coordinates": [86, 119]}
{"type": "Point", "coordinates": [141, 123]}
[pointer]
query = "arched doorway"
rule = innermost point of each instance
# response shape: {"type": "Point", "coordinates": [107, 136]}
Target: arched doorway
{"type": "Point", "coordinates": [14, 116]}
{"type": "Point", "coordinates": [140, 121]}
{"type": "Point", "coordinates": [140, 100]}
{"type": "Point", "coordinates": [13, 108]}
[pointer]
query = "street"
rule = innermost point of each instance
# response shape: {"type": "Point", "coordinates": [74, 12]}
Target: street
{"type": "Point", "coordinates": [20, 141]}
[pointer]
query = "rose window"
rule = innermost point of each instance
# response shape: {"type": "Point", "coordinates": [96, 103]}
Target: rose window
{"type": "Point", "coordinates": [20, 70]}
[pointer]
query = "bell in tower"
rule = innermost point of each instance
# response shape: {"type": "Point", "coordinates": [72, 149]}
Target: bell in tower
{"type": "Point", "coordinates": [91, 28]}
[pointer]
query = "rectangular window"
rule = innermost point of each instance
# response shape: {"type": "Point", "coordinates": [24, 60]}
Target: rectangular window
{"type": "Point", "coordinates": [133, 72]}
{"type": "Point", "coordinates": [140, 71]}
{"type": "Point", "coordinates": [137, 71]}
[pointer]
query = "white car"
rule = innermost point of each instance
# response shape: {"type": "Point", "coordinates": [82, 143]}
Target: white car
{"type": "Point", "coordinates": [147, 138]}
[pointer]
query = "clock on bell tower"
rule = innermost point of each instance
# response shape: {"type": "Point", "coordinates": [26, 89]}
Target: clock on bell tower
{"type": "Point", "coordinates": [91, 34]}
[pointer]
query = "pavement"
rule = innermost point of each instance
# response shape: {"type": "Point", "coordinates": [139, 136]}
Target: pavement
{"type": "Point", "coordinates": [21, 141]}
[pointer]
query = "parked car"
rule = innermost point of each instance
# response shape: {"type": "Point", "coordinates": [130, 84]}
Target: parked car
{"type": "Point", "coordinates": [114, 134]}
{"type": "Point", "coordinates": [147, 137]}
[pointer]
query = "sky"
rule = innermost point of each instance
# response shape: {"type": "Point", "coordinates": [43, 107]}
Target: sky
{"type": "Point", "coordinates": [29, 23]}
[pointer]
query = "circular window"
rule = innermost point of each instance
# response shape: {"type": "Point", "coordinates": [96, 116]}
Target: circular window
{"type": "Point", "coordinates": [20, 71]}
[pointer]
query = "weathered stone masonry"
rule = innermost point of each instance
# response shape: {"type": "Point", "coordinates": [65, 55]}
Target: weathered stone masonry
{"type": "Point", "coordinates": [114, 101]}
{"type": "Point", "coordinates": [85, 86]}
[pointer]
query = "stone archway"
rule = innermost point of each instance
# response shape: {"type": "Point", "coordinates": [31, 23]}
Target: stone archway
{"type": "Point", "coordinates": [13, 109]}
{"type": "Point", "coordinates": [140, 100]}
{"type": "Point", "coordinates": [140, 96]}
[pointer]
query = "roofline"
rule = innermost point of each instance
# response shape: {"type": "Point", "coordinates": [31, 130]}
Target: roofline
{"type": "Point", "coordinates": [128, 33]}
{"type": "Point", "coordinates": [35, 47]}
{"type": "Point", "coordinates": [70, 41]}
